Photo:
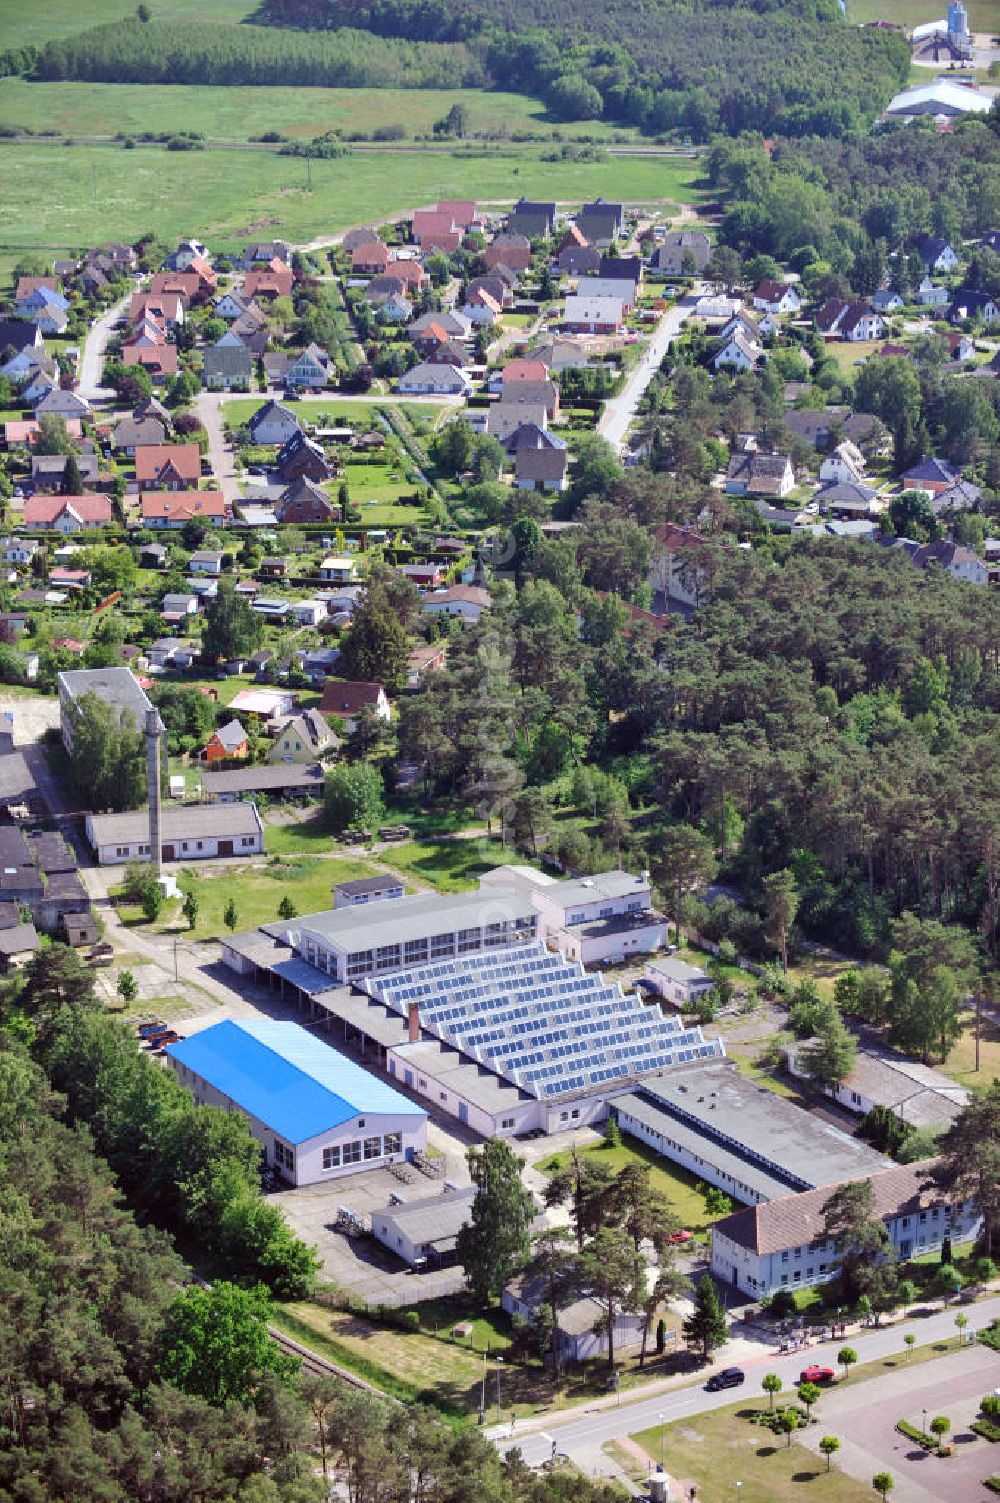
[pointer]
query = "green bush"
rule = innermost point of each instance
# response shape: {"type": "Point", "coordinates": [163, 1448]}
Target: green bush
{"type": "Point", "coordinates": [987, 1429]}
{"type": "Point", "coordinates": [927, 1442]}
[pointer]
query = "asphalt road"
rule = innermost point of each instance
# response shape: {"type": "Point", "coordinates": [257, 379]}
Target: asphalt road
{"type": "Point", "coordinates": [577, 1430]}
{"type": "Point", "coordinates": [619, 412]}
{"type": "Point", "coordinates": [92, 357]}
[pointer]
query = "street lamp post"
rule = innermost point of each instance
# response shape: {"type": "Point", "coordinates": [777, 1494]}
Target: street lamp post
{"type": "Point", "coordinates": [660, 1418]}
{"type": "Point", "coordinates": [924, 1412]}
{"type": "Point", "coordinates": [499, 1365]}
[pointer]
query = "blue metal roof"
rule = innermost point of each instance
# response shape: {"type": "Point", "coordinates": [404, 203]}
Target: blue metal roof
{"type": "Point", "coordinates": [279, 1073]}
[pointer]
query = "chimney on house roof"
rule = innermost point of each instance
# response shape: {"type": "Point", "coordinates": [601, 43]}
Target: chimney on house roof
{"type": "Point", "coordinates": [413, 1023]}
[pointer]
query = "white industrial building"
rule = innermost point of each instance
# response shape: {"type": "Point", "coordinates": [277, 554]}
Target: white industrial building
{"type": "Point", "coordinates": [316, 1114]}
{"type": "Point", "coordinates": [423, 1231]}
{"type": "Point", "coordinates": [190, 833]}
{"type": "Point", "coordinates": [677, 982]}
{"type": "Point", "coordinates": [596, 920]}
{"type": "Point", "coordinates": [350, 945]}
{"type": "Point", "coordinates": [733, 1133]}
{"type": "Point", "coordinates": [782, 1244]}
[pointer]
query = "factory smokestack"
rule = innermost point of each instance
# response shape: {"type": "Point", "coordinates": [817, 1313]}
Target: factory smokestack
{"type": "Point", "coordinates": [154, 730]}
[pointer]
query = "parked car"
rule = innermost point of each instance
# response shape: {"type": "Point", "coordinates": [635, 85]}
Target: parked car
{"type": "Point", "coordinates": [729, 1377]}
{"type": "Point", "coordinates": [681, 1237]}
{"type": "Point", "coordinates": [816, 1375]}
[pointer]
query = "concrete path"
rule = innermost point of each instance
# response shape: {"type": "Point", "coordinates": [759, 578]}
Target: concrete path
{"type": "Point", "coordinates": [677, 1398]}
{"type": "Point", "coordinates": [619, 412]}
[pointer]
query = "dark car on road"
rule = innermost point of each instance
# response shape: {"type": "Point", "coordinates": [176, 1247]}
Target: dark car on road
{"type": "Point", "coordinates": [729, 1377]}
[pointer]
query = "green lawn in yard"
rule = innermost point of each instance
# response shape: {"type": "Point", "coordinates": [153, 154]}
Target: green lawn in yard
{"type": "Point", "coordinates": [306, 837]}
{"type": "Point", "coordinates": [235, 114]}
{"type": "Point", "coordinates": [311, 409]}
{"type": "Point", "coordinates": [47, 19]}
{"type": "Point", "coordinates": [92, 193]}
{"type": "Point", "coordinates": [259, 893]}
{"type": "Point", "coordinates": [669, 1180]}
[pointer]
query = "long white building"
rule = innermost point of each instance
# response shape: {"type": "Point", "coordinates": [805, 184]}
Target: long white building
{"type": "Point", "coordinates": [781, 1244]}
{"type": "Point", "coordinates": [316, 1114]}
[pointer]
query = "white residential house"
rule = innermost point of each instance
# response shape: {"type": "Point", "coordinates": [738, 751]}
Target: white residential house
{"type": "Point", "coordinates": [776, 297]}
{"type": "Point", "coordinates": [467, 601]}
{"type": "Point", "coordinates": [308, 612]}
{"type": "Point", "coordinates": [273, 424]}
{"type": "Point", "coordinates": [677, 571]}
{"type": "Point", "coordinates": [739, 353]}
{"type": "Point", "coordinates": [206, 561]}
{"type": "Point", "coordinates": [845, 464]}
{"type": "Point", "coordinates": [930, 296]}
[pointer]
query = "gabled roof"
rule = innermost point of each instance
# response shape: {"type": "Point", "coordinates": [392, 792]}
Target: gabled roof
{"type": "Point", "coordinates": [347, 697]}
{"type": "Point", "coordinates": [794, 1220]}
{"type": "Point", "coordinates": [231, 735]}
{"type": "Point", "coordinates": [151, 460]}
{"type": "Point", "coordinates": [44, 511]}
{"type": "Point", "coordinates": [287, 1078]}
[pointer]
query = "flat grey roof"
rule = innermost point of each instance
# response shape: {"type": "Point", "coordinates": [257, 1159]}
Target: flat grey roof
{"type": "Point", "coordinates": [116, 686]}
{"type": "Point", "coordinates": [770, 1143]}
{"type": "Point", "coordinates": [360, 885]}
{"type": "Point", "coordinates": [677, 970]}
{"type": "Point", "coordinates": [258, 946]}
{"type": "Point", "coordinates": [372, 1018]}
{"type": "Point", "coordinates": [18, 940]}
{"type": "Point", "coordinates": [613, 884]}
{"type": "Point", "coordinates": [16, 782]}
{"type": "Point", "coordinates": [415, 917]}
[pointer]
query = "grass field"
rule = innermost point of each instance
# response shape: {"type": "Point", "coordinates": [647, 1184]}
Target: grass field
{"type": "Point", "coordinates": [984, 15]}
{"type": "Point", "coordinates": [258, 893]}
{"type": "Point", "coordinates": [669, 1180]}
{"type": "Point", "coordinates": [231, 114]}
{"type": "Point", "coordinates": [240, 409]}
{"type": "Point", "coordinates": [54, 196]}
{"type": "Point", "coordinates": [449, 865]}
{"type": "Point", "coordinates": [46, 19]}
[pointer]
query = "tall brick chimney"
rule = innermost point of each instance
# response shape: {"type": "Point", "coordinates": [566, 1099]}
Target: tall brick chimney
{"type": "Point", "coordinates": [413, 1023]}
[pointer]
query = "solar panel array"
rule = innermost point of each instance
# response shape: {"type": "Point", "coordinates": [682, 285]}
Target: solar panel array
{"type": "Point", "coordinates": [541, 1021]}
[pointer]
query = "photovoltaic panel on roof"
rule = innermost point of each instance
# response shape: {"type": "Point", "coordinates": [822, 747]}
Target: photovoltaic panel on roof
{"type": "Point", "coordinates": [539, 1020]}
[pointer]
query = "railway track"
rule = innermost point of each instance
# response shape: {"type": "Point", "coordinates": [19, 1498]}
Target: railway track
{"type": "Point", "coordinates": [318, 1366]}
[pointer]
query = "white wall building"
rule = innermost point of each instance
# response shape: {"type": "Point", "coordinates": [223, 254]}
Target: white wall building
{"type": "Point", "coordinates": [678, 982]}
{"type": "Point", "coordinates": [316, 1114]}
{"type": "Point", "coordinates": [196, 833]}
{"type": "Point", "coordinates": [782, 1244]}
{"type": "Point", "coordinates": [423, 1231]}
{"type": "Point", "coordinates": [604, 918]}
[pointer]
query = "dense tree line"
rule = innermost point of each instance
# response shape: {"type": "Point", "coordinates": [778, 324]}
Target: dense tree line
{"type": "Point", "coordinates": [193, 1170]}
{"type": "Point", "coordinates": [130, 52]}
{"type": "Point", "coordinates": [830, 201]}
{"type": "Point", "coordinates": [830, 710]}
{"type": "Point", "coordinates": [663, 67]}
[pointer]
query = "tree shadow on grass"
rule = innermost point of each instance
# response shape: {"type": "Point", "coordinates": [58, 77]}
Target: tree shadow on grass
{"type": "Point", "coordinates": [766, 1450]}
{"type": "Point", "coordinates": [807, 1476]}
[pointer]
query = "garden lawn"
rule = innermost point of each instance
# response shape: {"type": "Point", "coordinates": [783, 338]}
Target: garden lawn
{"type": "Point", "coordinates": [360, 414]}
{"type": "Point", "coordinates": [449, 865]}
{"type": "Point", "coordinates": [669, 1180]}
{"type": "Point", "coordinates": [717, 1450]}
{"type": "Point", "coordinates": [258, 894]}
{"type": "Point", "coordinates": [236, 114]}
{"type": "Point", "coordinates": [94, 193]}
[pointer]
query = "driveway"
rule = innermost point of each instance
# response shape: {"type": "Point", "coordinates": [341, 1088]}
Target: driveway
{"type": "Point", "coordinates": [209, 410]}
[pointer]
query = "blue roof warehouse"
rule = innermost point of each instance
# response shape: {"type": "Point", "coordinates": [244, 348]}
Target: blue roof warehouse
{"type": "Point", "coordinates": [316, 1114]}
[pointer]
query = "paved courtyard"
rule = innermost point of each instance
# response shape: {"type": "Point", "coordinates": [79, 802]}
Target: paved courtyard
{"type": "Point", "coordinates": [864, 1417]}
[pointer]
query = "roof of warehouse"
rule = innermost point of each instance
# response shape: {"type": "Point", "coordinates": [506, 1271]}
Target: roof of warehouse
{"type": "Point", "coordinates": [279, 1073]}
{"type": "Point", "coordinates": [424, 913]}
{"type": "Point", "coordinates": [718, 1112]}
{"type": "Point", "coordinates": [251, 779]}
{"type": "Point", "coordinates": [187, 823]}
{"type": "Point", "coordinates": [435, 1219]}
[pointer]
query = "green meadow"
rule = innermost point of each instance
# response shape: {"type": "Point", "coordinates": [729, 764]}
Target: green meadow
{"type": "Point", "coordinates": [56, 196]}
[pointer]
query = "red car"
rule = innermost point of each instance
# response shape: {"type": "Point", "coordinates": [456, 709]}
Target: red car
{"type": "Point", "coordinates": [816, 1375]}
{"type": "Point", "coordinates": [681, 1237]}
